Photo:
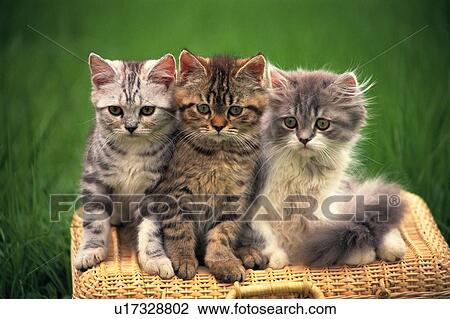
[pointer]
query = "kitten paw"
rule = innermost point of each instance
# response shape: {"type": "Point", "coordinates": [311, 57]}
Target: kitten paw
{"type": "Point", "coordinates": [228, 271]}
{"type": "Point", "coordinates": [90, 257]}
{"type": "Point", "coordinates": [361, 256]}
{"type": "Point", "coordinates": [160, 266]}
{"type": "Point", "coordinates": [252, 258]}
{"type": "Point", "coordinates": [185, 267]}
{"type": "Point", "coordinates": [278, 260]}
{"type": "Point", "coordinates": [392, 246]}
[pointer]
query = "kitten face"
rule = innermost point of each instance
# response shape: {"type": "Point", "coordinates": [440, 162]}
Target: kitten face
{"type": "Point", "coordinates": [314, 112]}
{"type": "Point", "coordinates": [132, 99]}
{"type": "Point", "coordinates": [220, 99]}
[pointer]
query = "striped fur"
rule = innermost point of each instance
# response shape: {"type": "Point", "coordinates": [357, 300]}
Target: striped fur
{"type": "Point", "coordinates": [215, 155]}
{"type": "Point", "coordinates": [122, 165]}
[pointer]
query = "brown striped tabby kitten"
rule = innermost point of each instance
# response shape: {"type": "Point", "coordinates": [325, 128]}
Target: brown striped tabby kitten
{"type": "Point", "coordinates": [220, 102]}
{"type": "Point", "coordinates": [126, 154]}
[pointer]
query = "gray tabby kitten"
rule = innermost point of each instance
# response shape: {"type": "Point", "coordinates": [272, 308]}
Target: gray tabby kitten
{"type": "Point", "coordinates": [313, 122]}
{"type": "Point", "coordinates": [127, 154]}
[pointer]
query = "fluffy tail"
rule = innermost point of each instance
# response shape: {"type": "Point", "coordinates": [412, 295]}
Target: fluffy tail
{"type": "Point", "coordinates": [329, 243]}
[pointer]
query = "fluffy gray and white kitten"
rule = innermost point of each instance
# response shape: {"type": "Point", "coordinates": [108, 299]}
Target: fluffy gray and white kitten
{"type": "Point", "coordinates": [311, 127]}
{"type": "Point", "coordinates": [127, 154]}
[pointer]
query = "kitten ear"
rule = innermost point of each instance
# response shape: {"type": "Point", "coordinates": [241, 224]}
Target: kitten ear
{"type": "Point", "coordinates": [101, 71]}
{"type": "Point", "coordinates": [277, 78]}
{"type": "Point", "coordinates": [348, 91]}
{"type": "Point", "coordinates": [191, 64]}
{"type": "Point", "coordinates": [252, 68]}
{"type": "Point", "coordinates": [347, 80]}
{"type": "Point", "coordinates": [164, 71]}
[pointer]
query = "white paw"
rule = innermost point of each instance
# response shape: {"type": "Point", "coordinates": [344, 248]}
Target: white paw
{"type": "Point", "coordinates": [361, 256]}
{"type": "Point", "coordinates": [90, 257]}
{"type": "Point", "coordinates": [159, 266]}
{"type": "Point", "coordinates": [392, 246]}
{"type": "Point", "coordinates": [278, 260]}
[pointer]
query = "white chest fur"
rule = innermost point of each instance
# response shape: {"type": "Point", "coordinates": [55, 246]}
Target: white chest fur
{"type": "Point", "coordinates": [289, 174]}
{"type": "Point", "coordinates": [131, 174]}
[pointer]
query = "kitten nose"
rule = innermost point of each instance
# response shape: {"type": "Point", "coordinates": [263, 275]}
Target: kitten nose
{"type": "Point", "coordinates": [218, 127]}
{"type": "Point", "coordinates": [218, 122]}
{"type": "Point", "coordinates": [305, 140]}
{"type": "Point", "coordinates": [131, 129]}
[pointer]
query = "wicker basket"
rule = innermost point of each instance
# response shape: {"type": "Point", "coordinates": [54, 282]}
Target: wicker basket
{"type": "Point", "coordinates": [423, 273]}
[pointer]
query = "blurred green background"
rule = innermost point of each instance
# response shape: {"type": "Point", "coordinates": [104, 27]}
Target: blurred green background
{"type": "Point", "coordinates": [46, 112]}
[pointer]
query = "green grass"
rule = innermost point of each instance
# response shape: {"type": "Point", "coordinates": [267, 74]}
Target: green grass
{"type": "Point", "coordinates": [46, 113]}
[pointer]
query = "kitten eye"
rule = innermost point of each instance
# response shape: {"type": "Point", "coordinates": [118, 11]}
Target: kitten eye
{"type": "Point", "coordinates": [235, 110]}
{"type": "Point", "coordinates": [115, 110]}
{"type": "Point", "coordinates": [203, 108]}
{"type": "Point", "coordinates": [322, 124]}
{"type": "Point", "coordinates": [290, 122]}
{"type": "Point", "coordinates": [147, 110]}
